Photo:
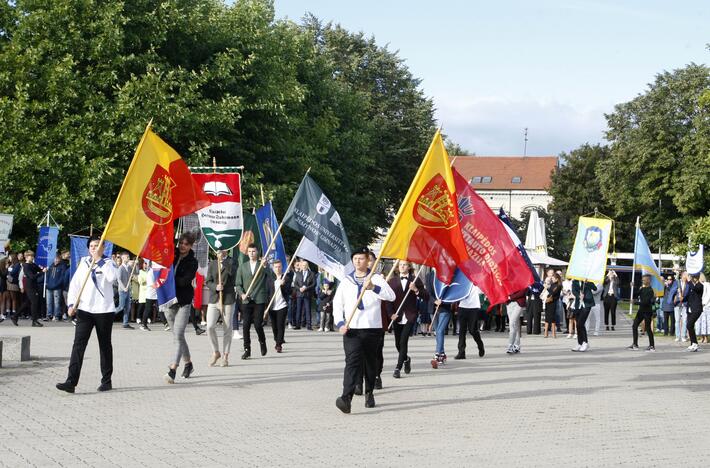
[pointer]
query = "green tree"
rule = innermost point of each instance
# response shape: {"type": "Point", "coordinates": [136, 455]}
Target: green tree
{"type": "Point", "coordinates": [660, 151]}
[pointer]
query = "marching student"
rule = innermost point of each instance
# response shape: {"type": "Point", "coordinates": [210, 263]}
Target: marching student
{"type": "Point", "coordinates": [178, 315]}
{"type": "Point", "coordinates": [279, 286]}
{"type": "Point", "coordinates": [220, 281]}
{"type": "Point", "coordinates": [361, 338]}
{"type": "Point", "coordinates": [469, 311]}
{"type": "Point", "coordinates": [584, 301]}
{"type": "Point", "coordinates": [516, 302]}
{"type": "Point", "coordinates": [695, 309]}
{"type": "Point", "coordinates": [646, 301]}
{"type": "Point", "coordinates": [253, 304]}
{"type": "Point", "coordinates": [443, 317]}
{"type": "Point", "coordinates": [403, 312]}
{"type": "Point", "coordinates": [95, 308]}
{"type": "Point", "coordinates": [31, 272]}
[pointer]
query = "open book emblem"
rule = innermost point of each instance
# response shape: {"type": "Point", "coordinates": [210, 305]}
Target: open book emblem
{"type": "Point", "coordinates": [216, 188]}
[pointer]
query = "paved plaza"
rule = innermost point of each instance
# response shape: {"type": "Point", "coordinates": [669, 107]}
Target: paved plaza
{"type": "Point", "coordinates": [544, 407]}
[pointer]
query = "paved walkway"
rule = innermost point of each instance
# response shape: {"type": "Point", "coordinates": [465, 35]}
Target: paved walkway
{"type": "Point", "coordinates": [546, 406]}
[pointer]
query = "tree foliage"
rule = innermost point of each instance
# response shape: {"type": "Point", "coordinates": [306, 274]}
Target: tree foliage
{"type": "Point", "coordinates": [79, 80]}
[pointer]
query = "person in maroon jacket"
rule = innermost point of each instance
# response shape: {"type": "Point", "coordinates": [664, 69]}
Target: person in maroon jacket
{"type": "Point", "coordinates": [403, 311]}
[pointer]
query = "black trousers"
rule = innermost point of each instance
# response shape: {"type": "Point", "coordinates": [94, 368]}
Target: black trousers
{"type": "Point", "coordinates": [669, 322]}
{"type": "Point", "coordinates": [33, 297]}
{"type": "Point", "coordinates": [278, 324]}
{"type": "Point", "coordinates": [692, 318]}
{"type": "Point", "coordinates": [85, 322]}
{"type": "Point", "coordinates": [147, 310]}
{"type": "Point", "coordinates": [401, 340]}
{"type": "Point", "coordinates": [582, 315]}
{"type": "Point", "coordinates": [643, 317]}
{"type": "Point", "coordinates": [253, 313]}
{"type": "Point", "coordinates": [381, 353]}
{"type": "Point", "coordinates": [534, 316]}
{"type": "Point", "coordinates": [468, 319]}
{"type": "Point", "coordinates": [610, 308]}
{"type": "Point", "coordinates": [361, 347]}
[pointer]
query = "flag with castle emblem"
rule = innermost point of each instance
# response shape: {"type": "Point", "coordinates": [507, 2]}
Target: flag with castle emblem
{"type": "Point", "coordinates": [495, 264]}
{"type": "Point", "coordinates": [157, 190]}
{"type": "Point", "coordinates": [426, 229]}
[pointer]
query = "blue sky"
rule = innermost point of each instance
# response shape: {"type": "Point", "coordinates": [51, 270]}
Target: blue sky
{"type": "Point", "coordinates": [494, 68]}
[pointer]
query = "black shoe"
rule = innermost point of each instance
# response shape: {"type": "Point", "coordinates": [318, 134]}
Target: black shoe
{"type": "Point", "coordinates": [358, 389]}
{"type": "Point", "coordinates": [128, 326]}
{"type": "Point", "coordinates": [14, 320]}
{"type": "Point", "coordinates": [296, 328]}
{"type": "Point", "coordinates": [369, 400]}
{"type": "Point", "coordinates": [65, 387]}
{"type": "Point", "coordinates": [105, 387]}
{"type": "Point", "coordinates": [378, 383]}
{"type": "Point", "coordinates": [612, 328]}
{"type": "Point", "coordinates": [395, 374]}
{"type": "Point", "coordinates": [188, 370]}
{"type": "Point", "coordinates": [199, 331]}
{"type": "Point", "coordinates": [36, 323]}
{"type": "Point", "coordinates": [170, 376]}
{"type": "Point", "coordinates": [481, 351]}
{"type": "Point", "coordinates": [309, 328]}
{"type": "Point", "coordinates": [45, 319]}
{"type": "Point", "coordinates": [343, 404]}
{"type": "Point", "coordinates": [607, 328]}
{"type": "Point", "coordinates": [263, 348]}
{"type": "Point", "coordinates": [246, 354]}
{"type": "Point", "coordinates": [408, 365]}
{"type": "Point", "coordinates": [460, 356]}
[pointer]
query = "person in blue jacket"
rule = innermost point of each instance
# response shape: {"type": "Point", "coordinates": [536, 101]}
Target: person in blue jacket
{"type": "Point", "coordinates": [667, 305]}
{"type": "Point", "coordinates": [55, 284]}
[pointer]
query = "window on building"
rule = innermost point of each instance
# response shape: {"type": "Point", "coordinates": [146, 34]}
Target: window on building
{"type": "Point", "coordinates": [486, 180]}
{"type": "Point", "coordinates": [516, 180]}
{"type": "Point", "coordinates": [475, 180]}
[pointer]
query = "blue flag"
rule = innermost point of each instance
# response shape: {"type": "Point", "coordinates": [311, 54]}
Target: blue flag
{"type": "Point", "coordinates": [457, 290]}
{"type": "Point", "coordinates": [46, 246]}
{"type": "Point", "coordinates": [536, 287]}
{"type": "Point", "coordinates": [79, 249]}
{"type": "Point", "coordinates": [643, 261]}
{"type": "Point", "coordinates": [164, 285]}
{"type": "Point", "coordinates": [268, 224]}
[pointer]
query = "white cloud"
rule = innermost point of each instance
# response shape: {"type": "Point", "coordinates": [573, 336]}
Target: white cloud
{"type": "Point", "coordinates": [495, 126]}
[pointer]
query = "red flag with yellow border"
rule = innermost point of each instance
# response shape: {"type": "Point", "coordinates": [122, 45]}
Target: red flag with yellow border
{"type": "Point", "coordinates": [426, 229]}
{"type": "Point", "coordinates": [157, 190]}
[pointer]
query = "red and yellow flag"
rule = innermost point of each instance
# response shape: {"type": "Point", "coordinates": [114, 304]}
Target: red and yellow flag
{"type": "Point", "coordinates": [426, 229]}
{"type": "Point", "coordinates": [157, 190]}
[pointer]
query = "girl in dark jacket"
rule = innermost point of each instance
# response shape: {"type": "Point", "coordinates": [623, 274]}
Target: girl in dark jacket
{"type": "Point", "coordinates": [646, 301]}
{"type": "Point", "coordinates": [695, 309]}
{"type": "Point", "coordinates": [553, 296]}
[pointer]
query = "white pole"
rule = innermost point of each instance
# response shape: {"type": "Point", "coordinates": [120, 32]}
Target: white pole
{"type": "Point", "coordinates": [633, 267]}
{"type": "Point", "coordinates": [45, 273]}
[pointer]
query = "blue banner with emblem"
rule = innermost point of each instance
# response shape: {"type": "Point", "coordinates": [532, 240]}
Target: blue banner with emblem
{"type": "Point", "coordinates": [46, 246]}
{"type": "Point", "coordinates": [457, 290]}
{"type": "Point", "coordinates": [268, 224]}
{"type": "Point", "coordinates": [79, 249]}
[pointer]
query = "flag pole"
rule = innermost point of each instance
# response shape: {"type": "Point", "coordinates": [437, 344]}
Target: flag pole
{"type": "Point", "coordinates": [261, 188]}
{"type": "Point", "coordinates": [633, 266]}
{"type": "Point", "coordinates": [288, 267]}
{"type": "Point", "coordinates": [367, 279]}
{"type": "Point", "coordinates": [44, 293]}
{"type": "Point", "coordinates": [436, 311]}
{"type": "Point", "coordinates": [416, 277]}
{"type": "Point", "coordinates": [271, 244]}
{"type": "Point", "coordinates": [113, 210]}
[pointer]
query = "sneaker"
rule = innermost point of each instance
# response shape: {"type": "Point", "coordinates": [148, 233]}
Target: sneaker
{"type": "Point", "coordinates": [684, 340]}
{"type": "Point", "coordinates": [167, 327]}
{"type": "Point", "coordinates": [2, 318]}
{"type": "Point", "coordinates": [138, 321]}
{"type": "Point", "coordinates": [128, 326]}
{"type": "Point", "coordinates": [188, 370]}
{"type": "Point", "coordinates": [657, 330]}
{"type": "Point", "coordinates": [408, 365]}
{"type": "Point", "coordinates": [289, 327]}
{"type": "Point", "coordinates": [676, 339]}
{"type": "Point", "coordinates": [320, 329]}
{"type": "Point", "coordinates": [396, 373]}
{"type": "Point", "coordinates": [612, 329]}
{"type": "Point", "coordinates": [236, 335]}
{"type": "Point", "coordinates": [509, 350]}
{"type": "Point", "coordinates": [651, 349]}
{"type": "Point", "coordinates": [692, 348]}
{"type": "Point", "coordinates": [584, 347]}
{"type": "Point", "coordinates": [596, 333]}
{"type": "Point", "coordinates": [199, 331]}
{"type": "Point", "coordinates": [149, 321]}
{"type": "Point", "coordinates": [569, 337]}
{"type": "Point", "coordinates": [203, 323]}
{"type": "Point", "coordinates": [144, 327]}
{"type": "Point", "coordinates": [343, 404]}
{"type": "Point", "coordinates": [516, 349]}
{"type": "Point", "coordinates": [575, 336]}
{"type": "Point", "coordinates": [45, 319]}
{"type": "Point", "coordinates": [576, 348]}
{"type": "Point", "coordinates": [633, 347]}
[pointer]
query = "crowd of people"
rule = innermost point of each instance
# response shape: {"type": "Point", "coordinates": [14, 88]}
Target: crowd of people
{"type": "Point", "coordinates": [255, 293]}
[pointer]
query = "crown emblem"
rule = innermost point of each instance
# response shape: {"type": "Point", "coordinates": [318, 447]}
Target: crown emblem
{"type": "Point", "coordinates": [157, 197]}
{"type": "Point", "coordinates": [435, 205]}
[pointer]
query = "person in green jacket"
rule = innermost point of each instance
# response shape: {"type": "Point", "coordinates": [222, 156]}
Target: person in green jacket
{"type": "Point", "coordinates": [251, 283]}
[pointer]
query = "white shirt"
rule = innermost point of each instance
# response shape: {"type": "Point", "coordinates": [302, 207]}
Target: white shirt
{"type": "Point", "coordinates": [404, 281]}
{"type": "Point", "coordinates": [150, 290]}
{"type": "Point", "coordinates": [97, 297]}
{"type": "Point", "coordinates": [369, 316]}
{"type": "Point", "coordinates": [252, 266]}
{"type": "Point", "coordinates": [473, 300]}
{"type": "Point", "coordinates": [279, 302]}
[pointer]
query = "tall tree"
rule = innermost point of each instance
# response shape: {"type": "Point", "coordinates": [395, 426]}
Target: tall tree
{"type": "Point", "coordinates": [660, 151]}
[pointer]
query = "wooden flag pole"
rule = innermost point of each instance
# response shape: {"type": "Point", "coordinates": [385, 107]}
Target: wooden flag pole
{"type": "Point", "coordinates": [406, 294]}
{"type": "Point", "coordinates": [290, 263]}
{"type": "Point", "coordinates": [436, 311]}
{"type": "Point", "coordinates": [367, 279]}
{"type": "Point", "coordinates": [72, 310]}
{"type": "Point", "coordinates": [263, 201]}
